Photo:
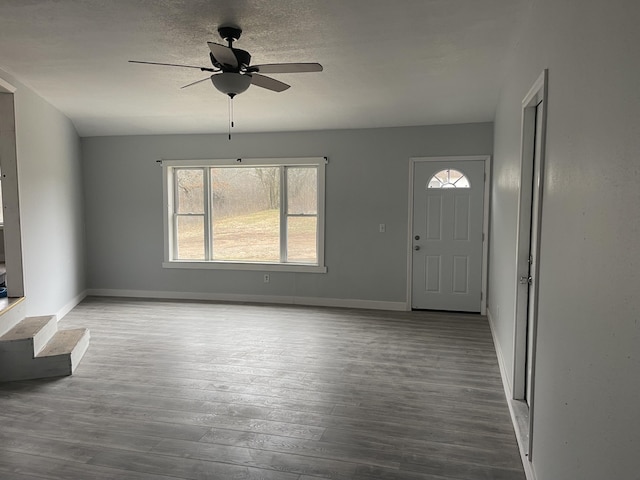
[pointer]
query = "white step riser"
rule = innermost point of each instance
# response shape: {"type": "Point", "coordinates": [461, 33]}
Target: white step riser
{"type": "Point", "coordinates": [79, 351]}
{"type": "Point", "coordinates": [44, 335]}
{"type": "Point", "coordinates": [11, 317]}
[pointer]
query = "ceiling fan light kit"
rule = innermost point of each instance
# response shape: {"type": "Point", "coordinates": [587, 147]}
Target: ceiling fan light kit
{"type": "Point", "coordinates": [231, 83]}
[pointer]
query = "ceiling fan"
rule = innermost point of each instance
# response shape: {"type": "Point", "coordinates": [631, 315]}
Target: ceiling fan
{"type": "Point", "coordinates": [232, 70]}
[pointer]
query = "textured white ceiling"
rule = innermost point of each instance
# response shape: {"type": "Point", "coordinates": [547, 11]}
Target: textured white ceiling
{"type": "Point", "coordinates": [386, 63]}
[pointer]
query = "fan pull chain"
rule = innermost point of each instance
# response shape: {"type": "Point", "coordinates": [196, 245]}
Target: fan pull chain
{"type": "Point", "coordinates": [231, 123]}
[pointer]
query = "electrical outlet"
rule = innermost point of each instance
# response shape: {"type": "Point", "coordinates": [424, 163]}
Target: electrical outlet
{"type": "Point", "coordinates": [266, 278]}
{"type": "Point", "coordinates": [383, 228]}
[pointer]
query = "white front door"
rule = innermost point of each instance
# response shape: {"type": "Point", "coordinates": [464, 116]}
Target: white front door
{"type": "Point", "coordinates": [448, 213]}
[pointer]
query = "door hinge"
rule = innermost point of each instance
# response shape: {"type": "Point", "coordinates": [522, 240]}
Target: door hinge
{"type": "Point", "coordinates": [483, 236]}
{"type": "Point", "coordinates": [481, 296]}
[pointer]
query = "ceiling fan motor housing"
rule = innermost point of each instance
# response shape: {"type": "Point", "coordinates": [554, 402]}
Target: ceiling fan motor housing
{"type": "Point", "coordinates": [244, 58]}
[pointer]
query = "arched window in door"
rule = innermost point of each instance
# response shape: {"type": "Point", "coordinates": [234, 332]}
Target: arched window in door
{"type": "Point", "coordinates": [449, 178]}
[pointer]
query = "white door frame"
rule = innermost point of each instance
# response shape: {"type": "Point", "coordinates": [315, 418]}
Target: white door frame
{"type": "Point", "coordinates": [528, 180]}
{"type": "Point", "coordinates": [485, 223]}
{"type": "Point", "coordinates": [10, 195]}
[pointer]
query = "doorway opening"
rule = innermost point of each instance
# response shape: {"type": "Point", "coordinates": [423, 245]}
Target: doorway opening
{"type": "Point", "coordinates": [534, 108]}
{"type": "Point", "coordinates": [11, 236]}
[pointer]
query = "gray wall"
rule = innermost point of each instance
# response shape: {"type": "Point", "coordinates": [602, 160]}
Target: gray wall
{"type": "Point", "coordinates": [588, 365]}
{"type": "Point", "coordinates": [367, 184]}
{"type": "Point", "coordinates": [51, 213]}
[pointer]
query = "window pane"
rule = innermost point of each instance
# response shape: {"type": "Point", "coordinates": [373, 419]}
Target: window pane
{"type": "Point", "coordinates": [190, 186]}
{"type": "Point", "coordinates": [449, 179]}
{"type": "Point", "coordinates": [190, 238]}
{"type": "Point", "coordinates": [246, 213]}
{"type": "Point", "coordinates": [302, 193]}
{"type": "Point", "coordinates": [301, 239]}
{"type": "Point", "coordinates": [458, 179]}
{"type": "Point", "coordinates": [434, 183]}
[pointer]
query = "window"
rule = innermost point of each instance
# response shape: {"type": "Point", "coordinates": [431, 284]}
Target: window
{"type": "Point", "coordinates": [448, 179]}
{"type": "Point", "coordinates": [260, 214]}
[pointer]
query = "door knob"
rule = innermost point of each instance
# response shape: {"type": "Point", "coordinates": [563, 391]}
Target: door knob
{"type": "Point", "coordinates": [417, 247]}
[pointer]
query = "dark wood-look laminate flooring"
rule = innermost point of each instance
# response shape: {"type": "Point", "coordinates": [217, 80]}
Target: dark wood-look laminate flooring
{"type": "Point", "coordinates": [196, 390]}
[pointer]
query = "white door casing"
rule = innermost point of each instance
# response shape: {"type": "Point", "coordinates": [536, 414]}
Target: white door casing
{"type": "Point", "coordinates": [446, 236]}
{"type": "Point", "coordinates": [534, 107]}
{"type": "Point", "coordinates": [10, 194]}
{"type": "Point", "coordinates": [532, 294]}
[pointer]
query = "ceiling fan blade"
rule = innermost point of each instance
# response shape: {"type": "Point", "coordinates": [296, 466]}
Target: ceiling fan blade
{"type": "Point", "coordinates": [204, 69]}
{"type": "Point", "coordinates": [196, 82]}
{"type": "Point", "coordinates": [223, 55]}
{"type": "Point", "coordinates": [286, 68]}
{"type": "Point", "coordinates": [268, 83]}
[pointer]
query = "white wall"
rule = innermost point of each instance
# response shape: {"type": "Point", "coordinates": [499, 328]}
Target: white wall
{"type": "Point", "coordinates": [367, 184]}
{"type": "Point", "coordinates": [587, 420]}
{"type": "Point", "coordinates": [51, 203]}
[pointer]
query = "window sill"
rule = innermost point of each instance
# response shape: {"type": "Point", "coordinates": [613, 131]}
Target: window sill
{"type": "Point", "coordinates": [262, 267]}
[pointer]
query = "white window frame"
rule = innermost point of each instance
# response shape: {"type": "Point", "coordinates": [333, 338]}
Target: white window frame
{"type": "Point", "coordinates": [168, 167]}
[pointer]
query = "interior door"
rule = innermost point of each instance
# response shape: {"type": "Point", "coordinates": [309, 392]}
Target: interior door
{"type": "Point", "coordinates": [532, 303]}
{"type": "Point", "coordinates": [448, 211]}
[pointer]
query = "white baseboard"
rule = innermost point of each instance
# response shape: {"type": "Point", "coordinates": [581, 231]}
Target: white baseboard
{"type": "Point", "coordinates": [503, 368]}
{"type": "Point", "coordinates": [350, 303]}
{"type": "Point", "coordinates": [71, 305]}
{"type": "Point", "coordinates": [508, 392]}
{"type": "Point", "coordinates": [240, 298]}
